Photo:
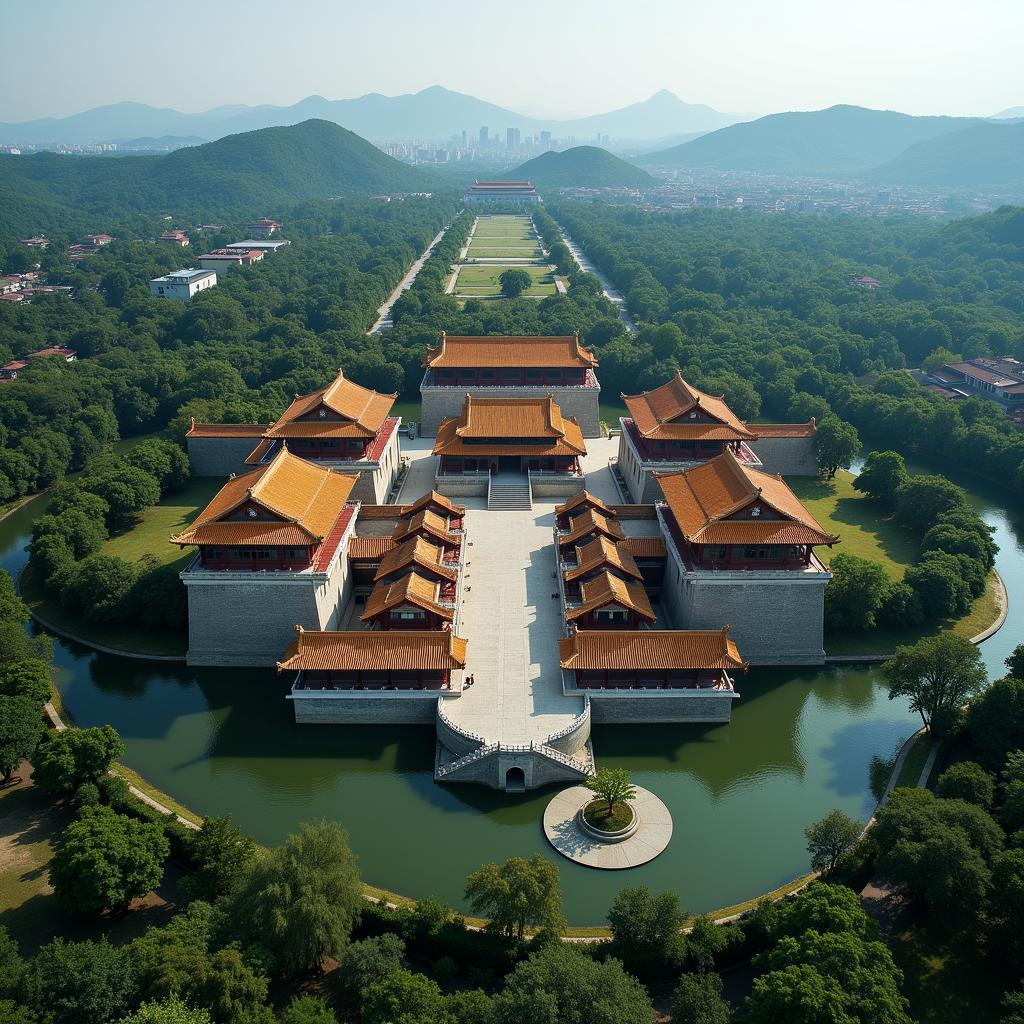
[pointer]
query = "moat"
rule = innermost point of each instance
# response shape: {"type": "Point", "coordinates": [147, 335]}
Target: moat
{"type": "Point", "coordinates": [223, 741]}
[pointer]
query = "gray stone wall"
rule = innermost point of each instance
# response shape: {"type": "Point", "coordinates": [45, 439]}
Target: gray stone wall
{"type": "Point", "coordinates": [443, 403]}
{"type": "Point", "coordinates": [492, 770]}
{"type": "Point", "coordinates": [461, 487]}
{"type": "Point", "coordinates": [643, 488]}
{"type": "Point", "coordinates": [220, 456]}
{"type": "Point", "coordinates": [774, 621]}
{"type": "Point", "coordinates": [557, 487]}
{"type": "Point", "coordinates": [575, 739]}
{"type": "Point", "coordinates": [790, 456]}
{"type": "Point", "coordinates": [246, 618]}
{"type": "Point", "coordinates": [453, 738]}
{"type": "Point", "coordinates": [351, 707]}
{"type": "Point", "coordinates": [637, 708]}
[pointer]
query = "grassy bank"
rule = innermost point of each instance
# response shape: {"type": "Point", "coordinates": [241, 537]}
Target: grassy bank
{"type": "Point", "coordinates": [149, 537]}
{"type": "Point", "coordinates": [866, 532]}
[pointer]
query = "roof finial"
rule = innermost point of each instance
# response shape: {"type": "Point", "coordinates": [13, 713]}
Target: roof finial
{"type": "Point", "coordinates": [725, 629]}
{"type": "Point", "coordinates": [299, 630]}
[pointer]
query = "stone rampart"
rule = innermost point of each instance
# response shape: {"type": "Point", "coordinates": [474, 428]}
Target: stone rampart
{"type": "Point", "coordinates": [790, 456]}
{"type": "Point", "coordinates": [344, 707]}
{"type": "Point", "coordinates": [221, 456]}
{"type": "Point", "coordinates": [637, 707]}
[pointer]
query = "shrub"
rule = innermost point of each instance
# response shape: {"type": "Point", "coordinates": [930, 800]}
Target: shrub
{"type": "Point", "coordinates": [967, 781]}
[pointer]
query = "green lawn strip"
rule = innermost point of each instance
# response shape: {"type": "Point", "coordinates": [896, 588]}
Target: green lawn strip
{"type": "Point", "coordinates": [913, 763]}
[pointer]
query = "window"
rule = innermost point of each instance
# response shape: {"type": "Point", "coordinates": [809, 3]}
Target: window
{"type": "Point", "coordinates": [533, 374]}
{"type": "Point", "coordinates": [487, 375]}
{"type": "Point", "coordinates": [408, 616]}
{"type": "Point", "coordinates": [610, 615]}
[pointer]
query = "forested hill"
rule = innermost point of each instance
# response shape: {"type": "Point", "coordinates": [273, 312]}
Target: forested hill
{"type": "Point", "coordinates": [581, 166]}
{"type": "Point", "coordinates": [841, 140]}
{"type": "Point", "coordinates": [256, 171]}
{"type": "Point", "coordinates": [984, 154]}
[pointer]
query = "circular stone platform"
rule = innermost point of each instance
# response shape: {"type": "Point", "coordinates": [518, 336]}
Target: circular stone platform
{"type": "Point", "coordinates": [562, 828]}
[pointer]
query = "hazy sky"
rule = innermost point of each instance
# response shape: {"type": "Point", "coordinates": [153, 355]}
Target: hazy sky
{"type": "Point", "coordinates": [565, 57]}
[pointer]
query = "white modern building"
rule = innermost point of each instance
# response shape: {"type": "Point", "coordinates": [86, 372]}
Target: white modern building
{"type": "Point", "coordinates": [225, 259]}
{"type": "Point", "coordinates": [182, 285]}
{"type": "Point", "coordinates": [262, 244]}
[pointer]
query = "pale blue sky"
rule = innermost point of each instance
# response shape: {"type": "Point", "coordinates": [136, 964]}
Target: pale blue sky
{"type": "Point", "coordinates": [568, 57]}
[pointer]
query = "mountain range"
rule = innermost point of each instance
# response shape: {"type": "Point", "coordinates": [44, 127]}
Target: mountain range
{"type": "Point", "coordinates": [839, 141]}
{"type": "Point", "coordinates": [435, 113]}
{"type": "Point", "coordinates": [587, 166]}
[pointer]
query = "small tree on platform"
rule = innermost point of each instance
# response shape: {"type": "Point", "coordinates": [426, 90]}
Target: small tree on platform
{"type": "Point", "coordinates": [611, 785]}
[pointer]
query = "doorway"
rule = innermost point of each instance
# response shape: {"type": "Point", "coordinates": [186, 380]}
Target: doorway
{"type": "Point", "coordinates": [515, 780]}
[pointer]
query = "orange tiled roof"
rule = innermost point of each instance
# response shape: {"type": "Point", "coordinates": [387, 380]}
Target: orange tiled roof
{"type": "Point", "coordinates": [705, 499]}
{"type": "Point", "coordinates": [303, 500]}
{"type": "Point", "coordinates": [584, 499]}
{"type": "Point", "coordinates": [369, 548]}
{"type": "Point", "coordinates": [412, 589]}
{"type": "Point", "coordinates": [602, 552]}
{"type": "Point", "coordinates": [589, 522]}
{"type": "Point", "coordinates": [650, 648]}
{"type": "Point", "coordinates": [512, 351]}
{"type": "Point", "coordinates": [415, 552]}
{"type": "Point", "coordinates": [507, 420]}
{"type": "Point", "coordinates": [654, 413]}
{"type": "Point", "coordinates": [363, 411]}
{"type": "Point", "coordinates": [375, 650]}
{"type": "Point", "coordinates": [431, 523]}
{"type": "Point", "coordinates": [644, 547]}
{"type": "Point", "coordinates": [433, 498]}
{"type": "Point", "coordinates": [608, 589]}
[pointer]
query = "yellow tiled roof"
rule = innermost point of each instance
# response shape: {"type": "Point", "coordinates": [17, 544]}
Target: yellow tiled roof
{"type": "Point", "coordinates": [375, 650]}
{"type": "Point", "coordinates": [653, 411]}
{"type": "Point", "coordinates": [465, 351]}
{"type": "Point", "coordinates": [649, 649]}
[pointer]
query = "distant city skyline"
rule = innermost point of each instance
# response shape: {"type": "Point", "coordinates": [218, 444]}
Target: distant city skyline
{"type": "Point", "coordinates": [738, 56]}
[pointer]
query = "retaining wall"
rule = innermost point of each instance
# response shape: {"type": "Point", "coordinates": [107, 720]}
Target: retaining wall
{"type": "Point", "coordinates": [790, 456]}
{"type": "Point", "coordinates": [221, 456]}
{"type": "Point", "coordinates": [358, 707]}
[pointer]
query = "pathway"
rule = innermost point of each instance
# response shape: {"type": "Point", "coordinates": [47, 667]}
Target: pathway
{"type": "Point", "coordinates": [511, 614]}
{"type": "Point", "coordinates": [610, 292]}
{"type": "Point", "coordinates": [383, 321]}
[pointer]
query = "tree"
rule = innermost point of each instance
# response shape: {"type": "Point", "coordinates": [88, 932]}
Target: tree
{"type": "Point", "coordinates": [20, 729]}
{"type": "Point", "coordinates": [884, 473]}
{"type": "Point", "coordinates": [368, 961]}
{"type": "Point", "coordinates": [967, 781]}
{"type": "Point", "coordinates": [829, 838]}
{"type": "Point", "coordinates": [698, 1000]}
{"type": "Point", "coordinates": [12, 967]}
{"type": "Point", "coordinates": [29, 677]}
{"type": "Point", "coordinates": [921, 500]}
{"type": "Point", "coordinates": [707, 941]}
{"type": "Point", "coordinates": [938, 674]}
{"type": "Point", "coordinates": [66, 759]}
{"type": "Point", "coordinates": [303, 898]}
{"type": "Point", "coordinates": [74, 982]}
{"type": "Point", "coordinates": [221, 855]}
{"type": "Point", "coordinates": [164, 460]}
{"type": "Point", "coordinates": [99, 586]}
{"type": "Point", "coordinates": [995, 720]}
{"type": "Point", "coordinates": [561, 985]}
{"type": "Point", "coordinates": [516, 894]}
{"type": "Point", "coordinates": [1008, 904]}
{"type": "Point", "coordinates": [404, 998]}
{"type": "Point", "coordinates": [105, 859]}
{"type": "Point", "coordinates": [940, 584]}
{"type": "Point", "coordinates": [1015, 662]}
{"type": "Point", "coordinates": [611, 785]}
{"type": "Point", "coordinates": [647, 930]}
{"type": "Point", "coordinates": [168, 1011]}
{"type": "Point", "coordinates": [856, 593]}
{"type": "Point", "coordinates": [940, 851]}
{"type": "Point", "coordinates": [514, 282]}
{"type": "Point", "coordinates": [836, 444]}
{"type": "Point", "coordinates": [308, 1010]}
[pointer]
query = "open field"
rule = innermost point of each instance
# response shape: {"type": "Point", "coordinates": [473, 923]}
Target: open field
{"type": "Point", "coordinates": [478, 282]}
{"type": "Point", "coordinates": [504, 226]}
{"type": "Point", "coordinates": [866, 532]}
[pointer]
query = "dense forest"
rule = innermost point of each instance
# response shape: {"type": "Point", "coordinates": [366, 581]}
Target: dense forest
{"type": "Point", "coordinates": [764, 309]}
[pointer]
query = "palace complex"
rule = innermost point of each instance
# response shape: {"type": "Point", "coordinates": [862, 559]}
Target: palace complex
{"type": "Point", "coordinates": [509, 625]}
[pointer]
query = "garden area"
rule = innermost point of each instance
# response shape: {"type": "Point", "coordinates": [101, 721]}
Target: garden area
{"type": "Point", "coordinates": [475, 281]}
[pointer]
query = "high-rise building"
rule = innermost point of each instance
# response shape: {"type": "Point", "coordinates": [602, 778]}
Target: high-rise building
{"type": "Point", "coordinates": [545, 136]}
{"type": "Point", "coordinates": [484, 137]}
{"type": "Point", "coordinates": [511, 138]}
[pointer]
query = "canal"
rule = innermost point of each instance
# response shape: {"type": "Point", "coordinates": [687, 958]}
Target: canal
{"type": "Point", "coordinates": [222, 741]}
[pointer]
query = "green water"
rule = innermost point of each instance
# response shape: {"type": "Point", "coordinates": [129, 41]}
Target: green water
{"type": "Point", "coordinates": [740, 794]}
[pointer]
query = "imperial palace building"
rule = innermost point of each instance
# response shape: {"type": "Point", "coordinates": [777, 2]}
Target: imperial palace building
{"type": "Point", "coordinates": [677, 426]}
{"type": "Point", "coordinates": [343, 426]}
{"type": "Point", "coordinates": [741, 551]}
{"type": "Point", "coordinates": [510, 367]}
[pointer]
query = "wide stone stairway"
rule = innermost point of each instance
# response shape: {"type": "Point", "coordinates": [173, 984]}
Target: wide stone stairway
{"type": "Point", "coordinates": [509, 492]}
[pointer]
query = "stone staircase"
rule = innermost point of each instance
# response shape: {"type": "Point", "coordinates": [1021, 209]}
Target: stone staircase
{"type": "Point", "coordinates": [508, 494]}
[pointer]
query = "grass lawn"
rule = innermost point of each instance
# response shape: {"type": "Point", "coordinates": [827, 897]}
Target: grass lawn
{"type": "Point", "coordinates": [148, 537]}
{"type": "Point", "coordinates": [477, 281]}
{"type": "Point", "coordinates": [867, 533]}
{"type": "Point", "coordinates": [913, 763]}
{"type": "Point", "coordinates": [30, 822]}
